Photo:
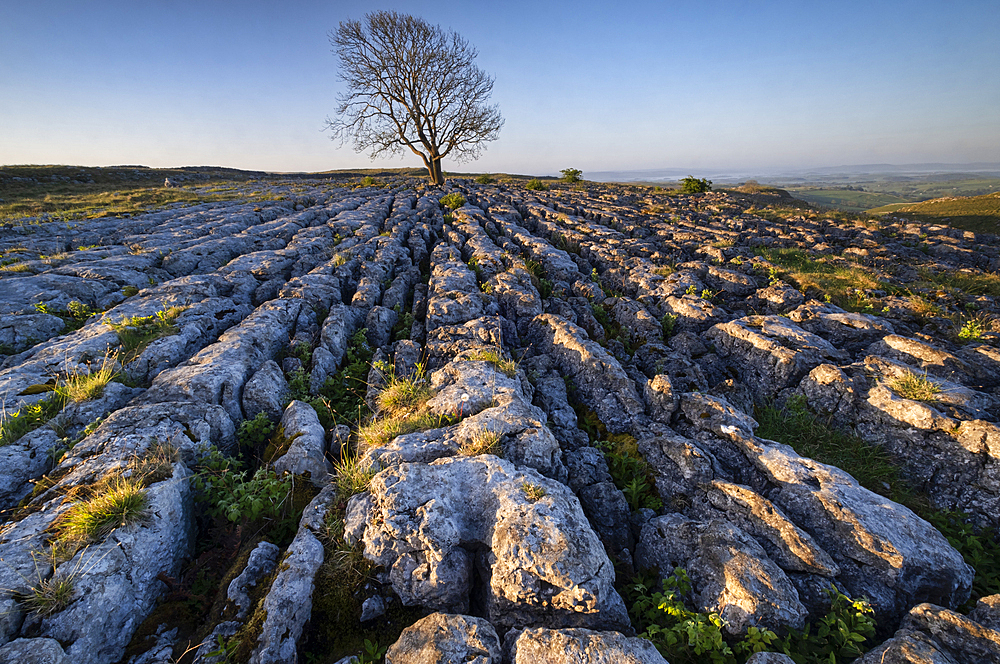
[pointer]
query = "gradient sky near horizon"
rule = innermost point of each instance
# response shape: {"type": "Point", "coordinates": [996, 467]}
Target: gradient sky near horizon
{"type": "Point", "coordinates": [713, 84]}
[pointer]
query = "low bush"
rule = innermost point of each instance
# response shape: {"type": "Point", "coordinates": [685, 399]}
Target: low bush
{"type": "Point", "coordinates": [571, 175]}
{"type": "Point", "coordinates": [692, 185]}
{"type": "Point", "coordinates": [536, 185]}
{"type": "Point", "coordinates": [229, 493]}
{"type": "Point", "coordinates": [452, 201]}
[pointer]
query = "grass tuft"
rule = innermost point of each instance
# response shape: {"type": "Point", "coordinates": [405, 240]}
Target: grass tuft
{"type": "Point", "coordinates": [137, 332]}
{"type": "Point", "coordinates": [533, 492]}
{"type": "Point", "coordinates": [114, 503]}
{"type": "Point", "coordinates": [915, 387]}
{"type": "Point", "coordinates": [483, 441]}
{"type": "Point", "coordinates": [48, 596]}
{"type": "Point", "coordinates": [505, 366]}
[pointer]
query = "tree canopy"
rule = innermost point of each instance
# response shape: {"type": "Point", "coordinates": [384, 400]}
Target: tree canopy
{"type": "Point", "coordinates": [412, 86]}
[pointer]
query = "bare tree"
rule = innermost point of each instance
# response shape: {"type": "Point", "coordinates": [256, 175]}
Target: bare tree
{"type": "Point", "coordinates": [412, 86]}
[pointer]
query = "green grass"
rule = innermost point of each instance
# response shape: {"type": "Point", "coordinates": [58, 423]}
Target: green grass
{"type": "Point", "coordinates": [813, 437]}
{"type": "Point", "coordinates": [29, 417]}
{"type": "Point", "coordinates": [972, 213]}
{"type": "Point", "coordinates": [837, 278]}
{"type": "Point", "coordinates": [137, 332]}
{"type": "Point", "coordinates": [967, 283]}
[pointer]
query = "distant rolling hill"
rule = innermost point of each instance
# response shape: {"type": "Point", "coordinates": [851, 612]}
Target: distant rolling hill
{"type": "Point", "coordinates": [973, 213]}
{"type": "Point", "coordinates": [844, 199]}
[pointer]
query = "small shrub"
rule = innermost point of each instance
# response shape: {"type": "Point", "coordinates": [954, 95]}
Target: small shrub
{"type": "Point", "coordinates": [839, 636]}
{"type": "Point", "coordinates": [74, 316]}
{"type": "Point", "coordinates": [485, 179]}
{"type": "Point", "coordinates": [230, 494]}
{"type": "Point", "coordinates": [684, 636]}
{"type": "Point", "coordinates": [571, 175]}
{"type": "Point", "coordinates": [367, 181]}
{"type": "Point", "coordinates": [255, 433]}
{"type": "Point", "coordinates": [533, 492]}
{"type": "Point", "coordinates": [536, 185]}
{"type": "Point", "coordinates": [692, 185]}
{"type": "Point", "coordinates": [668, 323]}
{"type": "Point", "coordinates": [452, 201]}
{"type": "Point", "coordinates": [974, 328]}
{"type": "Point", "coordinates": [129, 291]}
{"type": "Point", "coordinates": [915, 387]}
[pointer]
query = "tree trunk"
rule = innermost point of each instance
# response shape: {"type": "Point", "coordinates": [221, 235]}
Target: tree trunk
{"type": "Point", "coordinates": [434, 169]}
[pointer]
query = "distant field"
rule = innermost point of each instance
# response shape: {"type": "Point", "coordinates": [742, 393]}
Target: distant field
{"type": "Point", "coordinates": [843, 199]}
{"type": "Point", "coordinates": [974, 213]}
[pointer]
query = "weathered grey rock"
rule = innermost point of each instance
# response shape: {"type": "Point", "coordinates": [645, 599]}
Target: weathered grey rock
{"type": "Point", "coordinates": [779, 298]}
{"type": "Point", "coordinates": [217, 374]}
{"type": "Point", "coordinates": [543, 561]}
{"type": "Point", "coordinates": [730, 573]}
{"type": "Point", "coordinates": [26, 459]}
{"type": "Point", "coordinates": [600, 381]}
{"type": "Point", "coordinates": [442, 638]}
{"type": "Point", "coordinates": [885, 552]}
{"type": "Point", "coordinates": [769, 353]}
{"type": "Point", "coordinates": [829, 391]}
{"type": "Point", "coordinates": [844, 329]}
{"type": "Point", "coordinates": [679, 465]}
{"type": "Point", "coordinates": [116, 584]}
{"type": "Point", "coordinates": [338, 328]}
{"type": "Point", "coordinates": [987, 612]}
{"type": "Point", "coordinates": [730, 281]}
{"type": "Point", "coordinates": [19, 331]}
{"type": "Point", "coordinates": [578, 646]}
{"type": "Point", "coordinates": [931, 633]}
{"type": "Point", "coordinates": [265, 391]}
{"type": "Point", "coordinates": [789, 546]}
{"type": "Point", "coordinates": [306, 454]}
{"type": "Point", "coordinates": [33, 651]}
{"type": "Point", "coordinates": [261, 562]}
{"type": "Point", "coordinates": [288, 604]}
{"type": "Point", "coordinates": [660, 398]}
{"type": "Point", "coordinates": [379, 324]}
{"type": "Point", "coordinates": [770, 657]}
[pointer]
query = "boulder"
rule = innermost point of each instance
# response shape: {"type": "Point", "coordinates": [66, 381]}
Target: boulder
{"type": "Point", "coordinates": [306, 452]}
{"type": "Point", "coordinates": [769, 353]}
{"type": "Point", "coordinates": [599, 379]}
{"type": "Point", "coordinates": [730, 572]}
{"type": "Point", "coordinates": [578, 646]}
{"type": "Point", "coordinates": [435, 525]}
{"type": "Point", "coordinates": [442, 638]}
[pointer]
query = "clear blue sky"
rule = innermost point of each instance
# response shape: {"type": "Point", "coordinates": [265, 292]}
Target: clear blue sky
{"type": "Point", "coordinates": [712, 84]}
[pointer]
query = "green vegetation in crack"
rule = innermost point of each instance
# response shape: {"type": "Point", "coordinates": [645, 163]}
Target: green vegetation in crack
{"type": "Point", "coordinates": [684, 636]}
